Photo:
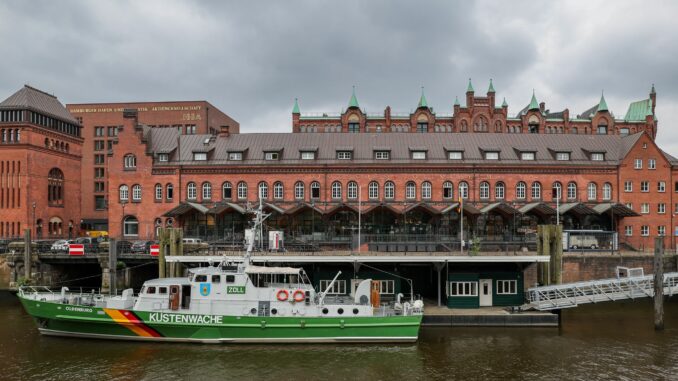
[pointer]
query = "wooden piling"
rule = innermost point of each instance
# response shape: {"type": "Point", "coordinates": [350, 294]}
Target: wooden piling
{"type": "Point", "coordinates": [27, 254]}
{"type": "Point", "coordinates": [113, 265]}
{"type": "Point", "coordinates": [659, 283]}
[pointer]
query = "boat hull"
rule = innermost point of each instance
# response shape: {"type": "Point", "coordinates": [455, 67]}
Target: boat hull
{"type": "Point", "coordinates": [103, 323]}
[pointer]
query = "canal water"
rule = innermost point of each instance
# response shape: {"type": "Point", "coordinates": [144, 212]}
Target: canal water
{"type": "Point", "coordinates": [609, 341]}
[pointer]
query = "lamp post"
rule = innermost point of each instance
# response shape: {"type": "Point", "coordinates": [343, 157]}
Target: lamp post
{"type": "Point", "coordinates": [312, 221]}
{"type": "Point", "coordinates": [122, 218]}
{"type": "Point", "coordinates": [34, 224]}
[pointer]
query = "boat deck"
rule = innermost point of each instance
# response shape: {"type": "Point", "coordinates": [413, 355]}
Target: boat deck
{"type": "Point", "coordinates": [485, 317]}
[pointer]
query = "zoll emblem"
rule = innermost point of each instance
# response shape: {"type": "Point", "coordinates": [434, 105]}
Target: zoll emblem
{"type": "Point", "coordinates": [205, 289]}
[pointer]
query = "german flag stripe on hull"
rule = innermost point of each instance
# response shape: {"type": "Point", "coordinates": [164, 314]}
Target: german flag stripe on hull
{"type": "Point", "coordinates": [131, 322]}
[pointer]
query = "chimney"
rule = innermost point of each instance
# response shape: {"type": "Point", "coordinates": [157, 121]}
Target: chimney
{"type": "Point", "coordinates": [542, 106]}
{"type": "Point", "coordinates": [223, 131]}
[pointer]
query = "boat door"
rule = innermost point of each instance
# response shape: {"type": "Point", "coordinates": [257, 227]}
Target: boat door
{"type": "Point", "coordinates": [485, 292]}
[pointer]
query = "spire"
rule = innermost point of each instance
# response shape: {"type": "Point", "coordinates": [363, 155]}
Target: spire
{"type": "Point", "coordinates": [295, 109]}
{"type": "Point", "coordinates": [652, 91]}
{"type": "Point", "coordinates": [491, 89]}
{"type": "Point", "coordinates": [469, 89]}
{"type": "Point", "coordinates": [602, 105]}
{"type": "Point", "coordinates": [533, 103]}
{"type": "Point", "coordinates": [354, 101]}
{"type": "Point", "coordinates": [504, 104]}
{"type": "Point", "coordinates": [422, 99]}
{"type": "Point", "coordinates": [456, 101]}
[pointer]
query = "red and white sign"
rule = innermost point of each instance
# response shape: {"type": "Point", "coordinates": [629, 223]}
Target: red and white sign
{"type": "Point", "coordinates": [155, 250]}
{"type": "Point", "coordinates": [76, 249]}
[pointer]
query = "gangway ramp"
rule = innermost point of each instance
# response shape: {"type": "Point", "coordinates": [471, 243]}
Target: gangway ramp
{"type": "Point", "coordinates": [605, 290]}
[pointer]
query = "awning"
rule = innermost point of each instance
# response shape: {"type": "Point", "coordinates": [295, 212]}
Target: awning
{"type": "Point", "coordinates": [341, 206]}
{"type": "Point", "coordinates": [302, 206]}
{"type": "Point", "coordinates": [424, 206]}
{"type": "Point", "coordinates": [274, 207]}
{"type": "Point", "coordinates": [615, 209]}
{"type": "Point", "coordinates": [576, 208]}
{"type": "Point", "coordinates": [184, 208]}
{"type": "Point", "coordinates": [500, 207]}
{"type": "Point", "coordinates": [382, 205]}
{"type": "Point", "coordinates": [222, 207]}
{"type": "Point", "coordinates": [538, 207]}
{"type": "Point", "coordinates": [251, 269]}
{"type": "Point", "coordinates": [468, 208]}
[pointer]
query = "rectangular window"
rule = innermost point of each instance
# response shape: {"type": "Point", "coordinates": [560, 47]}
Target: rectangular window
{"type": "Point", "coordinates": [463, 289]}
{"type": "Point", "coordinates": [492, 155]}
{"type": "Point", "coordinates": [628, 186]}
{"type": "Point", "coordinates": [563, 156]}
{"type": "Point", "coordinates": [645, 230]}
{"type": "Point", "coordinates": [628, 230]}
{"type": "Point", "coordinates": [112, 131]}
{"type": "Point", "coordinates": [645, 208]}
{"type": "Point", "coordinates": [661, 208]}
{"type": "Point", "coordinates": [381, 155]}
{"type": "Point", "coordinates": [109, 145]}
{"type": "Point", "coordinates": [98, 159]}
{"type": "Point", "coordinates": [344, 155]}
{"type": "Point", "coordinates": [675, 187]}
{"type": "Point", "coordinates": [158, 193]}
{"type": "Point", "coordinates": [199, 156]}
{"type": "Point", "coordinates": [454, 155]}
{"type": "Point", "coordinates": [507, 287]}
{"type": "Point", "coordinates": [163, 157]}
{"type": "Point", "coordinates": [652, 164]}
{"type": "Point", "coordinates": [644, 186]}
{"type": "Point", "coordinates": [98, 186]}
{"type": "Point", "coordinates": [338, 288]}
{"type": "Point", "coordinates": [98, 131]}
{"type": "Point", "coordinates": [98, 173]}
{"type": "Point", "coordinates": [661, 230]}
{"type": "Point", "coordinates": [271, 156]}
{"type": "Point", "coordinates": [99, 202]}
{"type": "Point", "coordinates": [422, 127]}
{"type": "Point", "coordinates": [386, 287]}
{"type": "Point", "coordinates": [308, 155]}
{"type": "Point", "coordinates": [190, 129]}
{"type": "Point", "coordinates": [597, 156]}
{"type": "Point", "coordinates": [99, 145]}
{"type": "Point", "coordinates": [638, 164]}
{"type": "Point", "coordinates": [235, 156]}
{"type": "Point", "coordinates": [354, 127]}
{"type": "Point", "coordinates": [602, 130]}
{"type": "Point", "coordinates": [527, 156]}
{"type": "Point", "coordinates": [661, 186]}
{"type": "Point", "coordinates": [624, 131]}
{"type": "Point", "coordinates": [419, 155]}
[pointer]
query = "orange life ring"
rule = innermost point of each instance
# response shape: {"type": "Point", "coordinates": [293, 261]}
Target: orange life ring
{"type": "Point", "coordinates": [282, 295]}
{"type": "Point", "coordinates": [299, 296]}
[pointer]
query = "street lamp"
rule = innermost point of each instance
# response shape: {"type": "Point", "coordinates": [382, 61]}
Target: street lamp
{"type": "Point", "coordinates": [33, 223]}
{"type": "Point", "coordinates": [122, 219]}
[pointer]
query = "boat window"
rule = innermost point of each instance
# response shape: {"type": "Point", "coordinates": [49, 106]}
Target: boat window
{"type": "Point", "coordinates": [201, 278]}
{"type": "Point", "coordinates": [150, 290]}
{"type": "Point", "coordinates": [230, 278]}
{"type": "Point", "coordinates": [216, 278]}
{"type": "Point", "coordinates": [162, 290]}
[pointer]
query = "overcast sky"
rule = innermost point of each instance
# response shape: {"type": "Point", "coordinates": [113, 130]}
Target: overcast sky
{"type": "Point", "coordinates": [251, 59]}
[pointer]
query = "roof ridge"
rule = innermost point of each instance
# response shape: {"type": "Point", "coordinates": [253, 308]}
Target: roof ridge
{"type": "Point", "coordinates": [40, 91]}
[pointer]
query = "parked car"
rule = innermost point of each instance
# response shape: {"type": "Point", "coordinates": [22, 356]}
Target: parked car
{"type": "Point", "coordinates": [141, 247]}
{"type": "Point", "coordinates": [192, 240]}
{"type": "Point", "coordinates": [90, 244]}
{"type": "Point", "coordinates": [61, 245]}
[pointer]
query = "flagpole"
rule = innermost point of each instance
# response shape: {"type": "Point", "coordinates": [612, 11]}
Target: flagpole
{"type": "Point", "coordinates": [461, 223]}
{"type": "Point", "coordinates": [360, 188]}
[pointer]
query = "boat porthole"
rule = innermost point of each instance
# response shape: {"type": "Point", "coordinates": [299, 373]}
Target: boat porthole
{"type": "Point", "coordinates": [340, 311]}
{"type": "Point", "coordinates": [253, 311]}
{"type": "Point", "coordinates": [355, 311]}
{"type": "Point", "coordinates": [274, 311]}
{"type": "Point", "coordinates": [325, 311]}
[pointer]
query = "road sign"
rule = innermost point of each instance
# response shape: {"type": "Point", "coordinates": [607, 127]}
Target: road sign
{"type": "Point", "coordinates": [155, 250]}
{"type": "Point", "coordinates": [76, 249]}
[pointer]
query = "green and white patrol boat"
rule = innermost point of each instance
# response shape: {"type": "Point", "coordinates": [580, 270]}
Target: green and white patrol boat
{"type": "Point", "coordinates": [228, 303]}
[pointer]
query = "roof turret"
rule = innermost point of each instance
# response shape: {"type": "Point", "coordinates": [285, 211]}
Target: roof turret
{"type": "Point", "coordinates": [422, 99]}
{"type": "Point", "coordinates": [534, 105]}
{"type": "Point", "coordinates": [354, 100]}
{"type": "Point", "coordinates": [602, 105]}
{"type": "Point", "coordinates": [295, 109]}
{"type": "Point", "coordinates": [491, 88]}
{"type": "Point", "coordinates": [469, 89]}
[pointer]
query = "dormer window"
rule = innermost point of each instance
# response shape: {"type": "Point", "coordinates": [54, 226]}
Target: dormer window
{"type": "Point", "coordinates": [491, 155]}
{"type": "Point", "coordinates": [199, 156]}
{"type": "Point", "coordinates": [353, 127]}
{"type": "Point", "coordinates": [419, 155]}
{"type": "Point", "coordinates": [527, 156]}
{"type": "Point", "coordinates": [307, 155]}
{"type": "Point", "coordinates": [602, 129]}
{"type": "Point", "coordinates": [235, 156]}
{"type": "Point", "coordinates": [272, 156]}
{"type": "Point", "coordinates": [562, 156]}
{"type": "Point", "coordinates": [422, 127]}
{"type": "Point", "coordinates": [163, 157]}
{"type": "Point", "coordinates": [455, 155]}
{"type": "Point", "coordinates": [381, 155]}
{"type": "Point", "coordinates": [597, 156]}
{"type": "Point", "coordinates": [344, 155]}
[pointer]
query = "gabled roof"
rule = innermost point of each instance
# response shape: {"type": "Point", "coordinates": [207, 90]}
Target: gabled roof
{"type": "Point", "coordinates": [588, 114]}
{"type": "Point", "coordinates": [639, 110]}
{"type": "Point", "coordinates": [31, 98]}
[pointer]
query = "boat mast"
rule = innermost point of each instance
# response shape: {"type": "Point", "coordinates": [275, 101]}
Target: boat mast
{"type": "Point", "coordinates": [259, 217]}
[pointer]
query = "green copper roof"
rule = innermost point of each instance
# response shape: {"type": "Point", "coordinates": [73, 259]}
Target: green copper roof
{"type": "Point", "coordinates": [295, 109]}
{"type": "Point", "coordinates": [469, 89]}
{"type": "Point", "coordinates": [504, 104]}
{"type": "Point", "coordinates": [456, 101]}
{"type": "Point", "coordinates": [602, 105]}
{"type": "Point", "coordinates": [533, 103]}
{"type": "Point", "coordinates": [354, 101]}
{"type": "Point", "coordinates": [491, 89]}
{"type": "Point", "coordinates": [422, 99]}
{"type": "Point", "coordinates": [639, 110]}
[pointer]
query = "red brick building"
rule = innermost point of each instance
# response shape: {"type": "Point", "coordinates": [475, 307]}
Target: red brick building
{"type": "Point", "coordinates": [100, 122]}
{"type": "Point", "coordinates": [40, 152]}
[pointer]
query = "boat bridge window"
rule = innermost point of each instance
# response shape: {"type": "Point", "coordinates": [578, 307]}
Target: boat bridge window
{"type": "Point", "coordinates": [264, 280]}
{"type": "Point", "coordinates": [229, 268]}
{"type": "Point", "coordinates": [150, 290]}
{"type": "Point", "coordinates": [162, 290]}
{"type": "Point", "coordinates": [216, 278]}
{"type": "Point", "coordinates": [200, 278]}
{"type": "Point", "coordinates": [230, 278]}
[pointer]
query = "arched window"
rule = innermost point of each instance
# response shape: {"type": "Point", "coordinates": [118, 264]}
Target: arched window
{"type": "Point", "coordinates": [124, 193]}
{"type": "Point", "coordinates": [136, 192]}
{"type": "Point", "coordinates": [131, 226]}
{"type": "Point", "coordinates": [55, 187]}
{"type": "Point", "coordinates": [448, 190]}
{"type": "Point", "coordinates": [607, 191]}
{"type": "Point", "coordinates": [536, 190]}
{"type": "Point", "coordinates": [463, 190]}
{"type": "Point", "coordinates": [592, 191]}
{"type": "Point", "coordinates": [158, 192]}
{"type": "Point", "coordinates": [206, 191]}
{"type": "Point", "coordinates": [557, 193]}
{"type": "Point", "coordinates": [484, 190]}
{"type": "Point", "coordinates": [499, 190]}
{"type": "Point", "coordinates": [336, 190]}
{"type": "Point", "coordinates": [571, 190]}
{"type": "Point", "coordinates": [242, 190]}
{"type": "Point", "coordinates": [191, 191]}
{"type": "Point", "coordinates": [315, 190]}
{"type": "Point", "coordinates": [299, 190]}
{"type": "Point", "coordinates": [263, 191]}
{"type": "Point", "coordinates": [389, 190]}
{"type": "Point", "coordinates": [521, 189]}
{"type": "Point", "coordinates": [410, 190]}
{"type": "Point", "coordinates": [352, 190]}
{"type": "Point", "coordinates": [373, 190]}
{"type": "Point", "coordinates": [226, 191]}
{"type": "Point", "coordinates": [426, 190]}
{"type": "Point", "coordinates": [169, 191]}
{"type": "Point", "coordinates": [278, 190]}
{"type": "Point", "coordinates": [130, 161]}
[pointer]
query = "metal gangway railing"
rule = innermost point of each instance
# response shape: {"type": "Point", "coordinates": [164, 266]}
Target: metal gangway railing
{"type": "Point", "coordinates": [605, 290]}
